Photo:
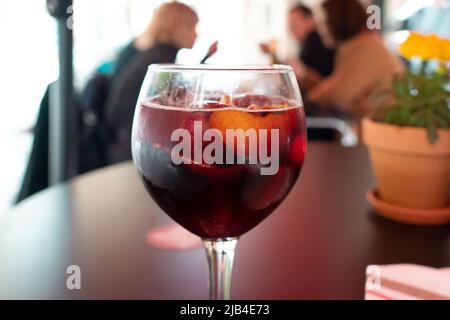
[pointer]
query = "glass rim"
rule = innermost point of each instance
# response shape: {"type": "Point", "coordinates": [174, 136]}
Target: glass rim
{"type": "Point", "coordinates": [172, 67]}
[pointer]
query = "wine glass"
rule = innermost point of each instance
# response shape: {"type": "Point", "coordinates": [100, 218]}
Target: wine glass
{"type": "Point", "coordinates": [219, 149]}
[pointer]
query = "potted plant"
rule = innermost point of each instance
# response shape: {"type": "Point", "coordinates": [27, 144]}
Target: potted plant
{"type": "Point", "coordinates": [408, 135]}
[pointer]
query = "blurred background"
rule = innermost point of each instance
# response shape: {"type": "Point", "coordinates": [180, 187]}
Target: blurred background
{"type": "Point", "coordinates": [101, 28]}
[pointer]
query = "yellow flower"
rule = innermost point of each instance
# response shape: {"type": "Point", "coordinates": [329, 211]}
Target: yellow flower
{"type": "Point", "coordinates": [426, 47]}
{"type": "Point", "coordinates": [445, 50]}
{"type": "Point", "coordinates": [432, 48]}
{"type": "Point", "coordinates": [408, 49]}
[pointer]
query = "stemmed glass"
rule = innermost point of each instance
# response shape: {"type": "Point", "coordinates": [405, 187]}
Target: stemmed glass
{"type": "Point", "coordinates": [219, 149]}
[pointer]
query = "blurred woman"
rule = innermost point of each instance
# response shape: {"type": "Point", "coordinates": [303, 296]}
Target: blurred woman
{"type": "Point", "coordinates": [362, 61]}
{"type": "Point", "coordinates": [146, 39]}
{"type": "Point", "coordinates": [173, 27]}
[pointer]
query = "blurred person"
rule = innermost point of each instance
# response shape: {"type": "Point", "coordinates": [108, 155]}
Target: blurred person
{"type": "Point", "coordinates": [146, 40]}
{"type": "Point", "coordinates": [315, 61]}
{"type": "Point", "coordinates": [173, 28]}
{"type": "Point", "coordinates": [155, 43]}
{"type": "Point", "coordinates": [362, 61]}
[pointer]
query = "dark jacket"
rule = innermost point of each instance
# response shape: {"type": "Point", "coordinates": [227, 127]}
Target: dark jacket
{"type": "Point", "coordinates": [36, 174]}
{"type": "Point", "coordinates": [126, 56]}
{"type": "Point", "coordinates": [123, 98]}
{"type": "Point", "coordinates": [315, 55]}
{"type": "Point", "coordinates": [94, 133]}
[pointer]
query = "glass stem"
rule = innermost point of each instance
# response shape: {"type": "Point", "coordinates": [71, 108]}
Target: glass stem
{"type": "Point", "coordinates": [220, 254]}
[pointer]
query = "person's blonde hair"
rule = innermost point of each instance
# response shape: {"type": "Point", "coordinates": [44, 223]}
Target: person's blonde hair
{"type": "Point", "coordinates": [167, 19]}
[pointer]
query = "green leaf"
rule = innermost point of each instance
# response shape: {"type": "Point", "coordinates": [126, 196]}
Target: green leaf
{"type": "Point", "coordinates": [421, 100]}
{"type": "Point", "coordinates": [419, 118]}
{"type": "Point", "coordinates": [439, 121]}
{"type": "Point", "coordinates": [399, 87]}
{"type": "Point", "coordinates": [399, 116]}
{"type": "Point", "coordinates": [444, 111]}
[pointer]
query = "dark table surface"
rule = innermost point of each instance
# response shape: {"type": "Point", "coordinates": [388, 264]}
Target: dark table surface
{"type": "Point", "coordinates": [317, 244]}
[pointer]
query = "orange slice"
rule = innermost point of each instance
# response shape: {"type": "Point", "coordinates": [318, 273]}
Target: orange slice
{"type": "Point", "coordinates": [237, 119]}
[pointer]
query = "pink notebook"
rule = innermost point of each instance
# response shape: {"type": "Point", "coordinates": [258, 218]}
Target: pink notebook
{"type": "Point", "coordinates": [406, 282]}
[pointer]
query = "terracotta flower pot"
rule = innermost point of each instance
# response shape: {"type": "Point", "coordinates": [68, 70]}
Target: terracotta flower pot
{"type": "Point", "coordinates": [410, 171]}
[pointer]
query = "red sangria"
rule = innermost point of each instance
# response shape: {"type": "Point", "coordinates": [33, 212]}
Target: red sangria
{"type": "Point", "coordinates": [218, 161]}
{"type": "Point", "coordinates": [220, 198]}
